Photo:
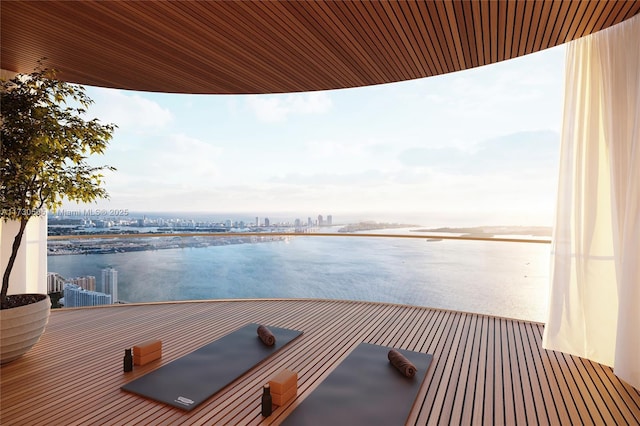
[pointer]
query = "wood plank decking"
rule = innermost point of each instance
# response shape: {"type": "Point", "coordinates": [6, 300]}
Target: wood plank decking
{"type": "Point", "coordinates": [486, 370]}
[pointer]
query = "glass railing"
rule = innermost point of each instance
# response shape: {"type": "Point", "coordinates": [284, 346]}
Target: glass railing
{"type": "Point", "coordinates": [504, 276]}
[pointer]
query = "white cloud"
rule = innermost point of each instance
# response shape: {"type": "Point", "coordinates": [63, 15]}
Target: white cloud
{"type": "Point", "coordinates": [310, 103]}
{"type": "Point", "coordinates": [329, 149]}
{"type": "Point", "coordinates": [129, 111]}
{"type": "Point", "coordinates": [174, 164]}
{"type": "Point", "coordinates": [516, 153]}
{"type": "Point", "coordinates": [461, 109]}
{"type": "Point", "coordinates": [277, 108]}
{"type": "Point", "coordinates": [186, 159]}
{"type": "Point", "coordinates": [364, 178]}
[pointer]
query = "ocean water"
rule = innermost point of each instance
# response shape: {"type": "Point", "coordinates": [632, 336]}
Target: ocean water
{"type": "Point", "coordinates": [496, 278]}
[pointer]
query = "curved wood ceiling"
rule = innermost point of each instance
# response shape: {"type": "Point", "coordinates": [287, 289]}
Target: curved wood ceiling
{"type": "Point", "coordinates": [238, 47]}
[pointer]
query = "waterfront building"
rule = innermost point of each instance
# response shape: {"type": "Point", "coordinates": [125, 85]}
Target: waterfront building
{"type": "Point", "coordinates": [55, 282]}
{"type": "Point", "coordinates": [87, 282]}
{"type": "Point", "coordinates": [320, 220]}
{"type": "Point", "coordinates": [110, 283]}
{"type": "Point", "coordinates": [266, 222]}
{"type": "Point", "coordinates": [329, 220]}
{"type": "Point", "coordinates": [75, 296]}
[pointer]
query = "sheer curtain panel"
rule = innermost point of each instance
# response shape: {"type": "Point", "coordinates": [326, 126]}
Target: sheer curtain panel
{"type": "Point", "coordinates": [594, 309]}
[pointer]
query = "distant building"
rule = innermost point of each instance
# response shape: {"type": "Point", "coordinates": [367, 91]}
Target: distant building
{"type": "Point", "coordinates": [266, 222]}
{"type": "Point", "coordinates": [320, 220]}
{"type": "Point", "coordinates": [110, 283]}
{"type": "Point", "coordinates": [55, 282]}
{"type": "Point", "coordinates": [329, 219]}
{"type": "Point", "coordinates": [309, 222]}
{"type": "Point", "coordinates": [75, 296]}
{"type": "Point", "coordinates": [257, 221]}
{"type": "Point", "coordinates": [88, 282]}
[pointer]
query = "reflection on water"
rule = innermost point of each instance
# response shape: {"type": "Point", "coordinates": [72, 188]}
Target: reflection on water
{"type": "Point", "coordinates": [504, 279]}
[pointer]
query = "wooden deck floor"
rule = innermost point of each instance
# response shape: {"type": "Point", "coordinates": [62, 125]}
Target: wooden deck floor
{"type": "Point", "coordinates": [486, 370]}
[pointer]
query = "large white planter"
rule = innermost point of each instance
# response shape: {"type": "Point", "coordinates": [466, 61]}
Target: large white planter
{"type": "Point", "coordinates": [21, 328]}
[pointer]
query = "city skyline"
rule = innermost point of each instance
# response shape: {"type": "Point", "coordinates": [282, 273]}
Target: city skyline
{"type": "Point", "coordinates": [116, 218]}
{"type": "Point", "coordinates": [474, 147]}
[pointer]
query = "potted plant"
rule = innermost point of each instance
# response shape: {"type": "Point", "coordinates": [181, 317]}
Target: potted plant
{"type": "Point", "coordinates": [44, 146]}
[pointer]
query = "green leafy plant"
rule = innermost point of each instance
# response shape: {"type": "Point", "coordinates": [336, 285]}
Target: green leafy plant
{"type": "Point", "coordinates": [44, 146]}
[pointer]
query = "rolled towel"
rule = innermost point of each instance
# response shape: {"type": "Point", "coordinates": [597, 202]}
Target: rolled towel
{"type": "Point", "coordinates": [400, 362]}
{"type": "Point", "coordinates": [266, 336]}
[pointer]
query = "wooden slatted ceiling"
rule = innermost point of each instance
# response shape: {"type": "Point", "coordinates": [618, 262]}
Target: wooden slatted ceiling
{"type": "Point", "coordinates": [284, 46]}
{"type": "Point", "coordinates": [486, 370]}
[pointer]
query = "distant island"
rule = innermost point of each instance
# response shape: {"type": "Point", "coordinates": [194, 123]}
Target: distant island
{"type": "Point", "coordinates": [372, 226]}
{"type": "Point", "coordinates": [124, 244]}
{"type": "Point", "coordinates": [490, 231]}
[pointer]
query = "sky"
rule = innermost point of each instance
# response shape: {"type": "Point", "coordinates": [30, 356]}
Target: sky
{"type": "Point", "coordinates": [476, 147]}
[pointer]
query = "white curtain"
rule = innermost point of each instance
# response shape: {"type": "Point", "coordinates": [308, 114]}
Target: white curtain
{"type": "Point", "coordinates": [594, 309]}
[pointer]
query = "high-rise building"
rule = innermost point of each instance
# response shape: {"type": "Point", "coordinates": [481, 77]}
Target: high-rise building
{"type": "Point", "coordinates": [266, 222]}
{"type": "Point", "coordinates": [75, 296]}
{"type": "Point", "coordinates": [329, 219]}
{"type": "Point", "coordinates": [110, 283]}
{"type": "Point", "coordinates": [87, 282]}
{"type": "Point", "coordinates": [320, 220]}
{"type": "Point", "coordinates": [55, 282]}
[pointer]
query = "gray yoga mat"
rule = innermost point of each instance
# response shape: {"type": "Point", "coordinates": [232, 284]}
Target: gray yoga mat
{"type": "Point", "coordinates": [365, 389]}
{"type": "Point", "coordinates": [193, 378]}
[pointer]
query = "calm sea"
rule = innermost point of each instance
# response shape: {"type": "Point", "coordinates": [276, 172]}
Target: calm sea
{"type": "Point", "coordinates": [504, 279]}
